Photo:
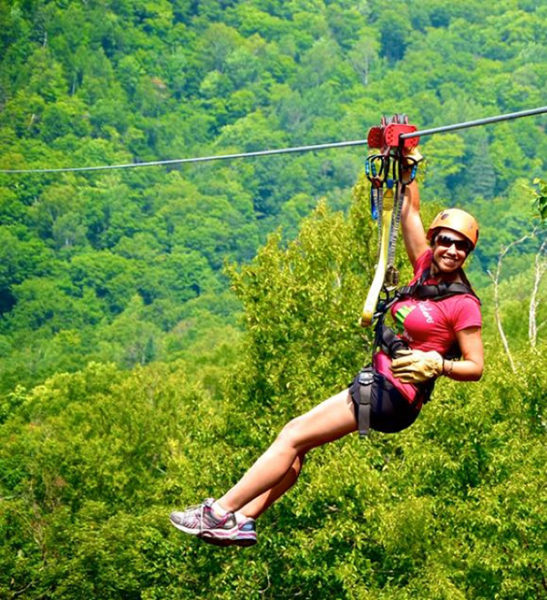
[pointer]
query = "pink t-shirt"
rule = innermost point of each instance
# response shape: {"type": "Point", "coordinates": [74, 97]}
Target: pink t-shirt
{"type": "Point", "coordinates": [428, 324]}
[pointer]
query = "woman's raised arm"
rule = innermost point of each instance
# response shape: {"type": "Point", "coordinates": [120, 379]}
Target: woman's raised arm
{"type": "Point", "coordinates": [411, 224]}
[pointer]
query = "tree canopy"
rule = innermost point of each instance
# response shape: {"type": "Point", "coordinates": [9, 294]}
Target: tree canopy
{"type": "Point", "coordinates": [159, 325]}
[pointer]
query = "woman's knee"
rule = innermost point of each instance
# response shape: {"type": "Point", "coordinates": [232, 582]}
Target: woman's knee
{"type": "Point", "coordinates": [294, 436]}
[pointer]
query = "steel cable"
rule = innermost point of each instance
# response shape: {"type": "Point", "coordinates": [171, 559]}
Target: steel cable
{"type": "Point", "coordinates": [259, 153]}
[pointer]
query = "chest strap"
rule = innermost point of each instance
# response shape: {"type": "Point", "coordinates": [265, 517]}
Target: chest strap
{"type": "Point", "coordinates": [433, 291]}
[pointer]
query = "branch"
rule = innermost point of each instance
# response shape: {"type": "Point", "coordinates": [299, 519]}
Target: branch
{"type": "Point", "coordinates": [497, 313]}
{"type": "Point", "coordinates": [540, 266]}
{"type": "Point", "coordinates": [497, 316]}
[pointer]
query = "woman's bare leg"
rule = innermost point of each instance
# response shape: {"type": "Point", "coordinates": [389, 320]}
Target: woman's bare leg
{"type": "Point", "coordinates": [258, 505]}
{"type": "Point", "coordinates": [273, 473]}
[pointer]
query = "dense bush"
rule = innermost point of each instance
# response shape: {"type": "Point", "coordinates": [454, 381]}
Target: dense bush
{"type": "Point", "coordinates": [107, 83]}
{"type": "Point", "coordinates": [92, 462]}
{"type": "Point", "coordinates": [134, 380]}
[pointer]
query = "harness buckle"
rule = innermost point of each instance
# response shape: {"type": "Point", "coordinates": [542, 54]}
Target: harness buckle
{"type": "Point", "coordinates": [366, 377]}
{"type": "Point", "coordinates": [392, 277]}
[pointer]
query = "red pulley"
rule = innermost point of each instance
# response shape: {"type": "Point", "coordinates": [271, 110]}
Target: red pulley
{"type": "Point", "coordinates": [394, 130]}
{"type": "Point", "coordinates": [375, 138]}
{"type": "Point", "coordinates": [387, 136]}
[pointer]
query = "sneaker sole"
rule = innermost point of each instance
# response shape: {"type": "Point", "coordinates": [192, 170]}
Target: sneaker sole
{"type": "Point", "coordinates": [245, 543]}
{"type": "Point", "coordinates": [223, 534]}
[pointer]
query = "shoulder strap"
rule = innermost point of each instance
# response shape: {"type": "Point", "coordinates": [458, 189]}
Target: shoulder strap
{"type": "Point", "coordinates": [436, 291]}
{"type": "Point", "coordinates": [441, 290]}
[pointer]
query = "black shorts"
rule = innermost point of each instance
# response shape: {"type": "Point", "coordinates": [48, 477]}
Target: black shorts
{"type": "Point", "coordinates": [390, 410]}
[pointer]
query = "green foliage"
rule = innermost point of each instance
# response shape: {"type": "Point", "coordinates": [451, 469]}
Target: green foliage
{"type": "Point", "coordinates": [92, 462]}
{"type": "Point", "coordinates": [124, 270]}
{"type": "Point", "coordinates": [303, 298]}
{"type": "Point", "coordinates": [94, 83]}
{"type": "Point", "coordinates": [98, 445]}
{"type": "Point", "coordinates": [541, 198]}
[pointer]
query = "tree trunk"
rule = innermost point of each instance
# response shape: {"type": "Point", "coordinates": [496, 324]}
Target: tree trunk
{"type": "Point", "coordinates": [539, 270]}
{"type": "Point", "coordinates": [497, 313]}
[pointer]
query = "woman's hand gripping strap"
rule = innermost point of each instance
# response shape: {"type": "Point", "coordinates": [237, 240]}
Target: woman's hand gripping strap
{"type": "Point", "coordinates": [416, 366]}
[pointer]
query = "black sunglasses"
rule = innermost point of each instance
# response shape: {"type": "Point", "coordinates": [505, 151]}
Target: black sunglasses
{"type": "Point", "coordinates": [446, 241]}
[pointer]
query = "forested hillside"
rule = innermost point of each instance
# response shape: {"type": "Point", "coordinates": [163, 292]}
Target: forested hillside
{"type": "Point", "coordinates": [127, 265]}
{"type": "Point", "coordinates": [159, 324]}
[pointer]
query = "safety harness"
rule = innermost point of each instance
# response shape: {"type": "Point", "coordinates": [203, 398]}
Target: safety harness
{"type": "Point", "coordinates": [389, 171]}
{"type": "Point", "coordinates": [390, 343]}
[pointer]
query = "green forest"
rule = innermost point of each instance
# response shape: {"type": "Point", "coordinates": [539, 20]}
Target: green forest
{"type": "Point", "coordinates": [159, 325]}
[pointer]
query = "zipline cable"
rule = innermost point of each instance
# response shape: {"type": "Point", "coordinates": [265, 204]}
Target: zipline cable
{"type": "Point", "coordinates": [177, 161]}
{"type": "Point", "coordinates": [485, 121]}
{"type": "Point", "coordinates": [259, 153]}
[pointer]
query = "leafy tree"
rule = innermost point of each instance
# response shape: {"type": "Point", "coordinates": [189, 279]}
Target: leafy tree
{"type": "Point", "coordinates": [291, 294]}
{"type": "Point", "coordinates": [91, 84]}
{"type": "Point", "coordinates": [364, 53]}
{"type": "Point", "coordinates": [480, 175]}
{"type": "Point", "coordinates": [20, 260]}
{"type": "Point", "coordinates": [93, 461]}
{"type": "Point", "coordinates": [444, 156]}
{"type": "Point", "coordinates": [541, 198]}
{"type": "Point", "coordinates": [394, 29]}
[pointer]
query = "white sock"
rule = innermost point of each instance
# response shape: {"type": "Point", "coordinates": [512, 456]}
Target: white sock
{"type": "Point", "coordinates": [241, 518]}
{"type": "Point", "coordinates": [218, 510]}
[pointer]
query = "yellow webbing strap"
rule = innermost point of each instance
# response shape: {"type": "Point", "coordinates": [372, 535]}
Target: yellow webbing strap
{"type": "Point", "coordinates": [376, 287]}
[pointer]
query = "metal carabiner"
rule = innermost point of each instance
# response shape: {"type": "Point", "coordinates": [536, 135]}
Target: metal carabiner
{"type": "Point", "coordinates": [404, 175]}
{"type": "Point", "coordinates": [376, 175]}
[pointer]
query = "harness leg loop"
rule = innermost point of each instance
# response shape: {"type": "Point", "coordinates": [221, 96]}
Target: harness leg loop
{"type": "Point", "coordinates": [366, 379]}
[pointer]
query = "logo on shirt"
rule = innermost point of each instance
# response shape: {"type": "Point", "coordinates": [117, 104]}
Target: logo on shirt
{"type": "Point", "coordinates": [400, 316]}
{"type": "Point", "coordinates": [425, 312]}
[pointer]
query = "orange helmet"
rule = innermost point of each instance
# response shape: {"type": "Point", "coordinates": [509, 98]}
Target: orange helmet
{"type": "Point", "coordinates": [457, 220]}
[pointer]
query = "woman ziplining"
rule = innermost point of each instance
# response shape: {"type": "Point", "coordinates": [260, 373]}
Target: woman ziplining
{"type": "Point", "coordinates": [436, 312]}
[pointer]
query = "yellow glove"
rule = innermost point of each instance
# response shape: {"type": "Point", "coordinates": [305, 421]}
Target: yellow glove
{"type": "Point", "coordinates": [411, 159]}
{"type": "Point", "coordinates": [415, 366]}
{"type": "Point", "coordinates": [415, 154]}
